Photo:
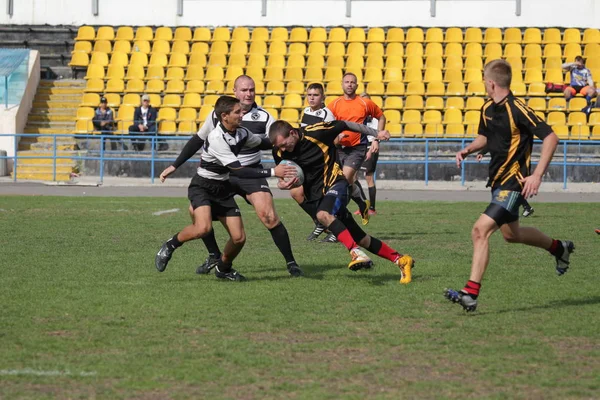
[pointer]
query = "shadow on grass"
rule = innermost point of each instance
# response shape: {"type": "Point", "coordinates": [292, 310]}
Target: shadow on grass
{"type": "Point", "coordinates": [409, 235]}
{"type": "Point", "coordinates": [311, 271]}
{"type": "Point", "coordinates": [568, 302]}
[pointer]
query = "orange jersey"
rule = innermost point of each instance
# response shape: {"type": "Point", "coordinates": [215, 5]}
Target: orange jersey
{"type": "Point", "coordinates": [355, 110]}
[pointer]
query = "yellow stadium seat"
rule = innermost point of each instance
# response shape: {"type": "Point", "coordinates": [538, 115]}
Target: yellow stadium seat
{"type": "Point", "coordinates": [413, 75]}
{"type": "Point", "coordinates": [492, 35]}
{"type": "Point", "coordinates": [133, 86]}
{"type": "Point", "coordinates": [394, 62]}
{"type": "Point", "coordinates": [113, 99]}
{"type": "Point", "coordinates": [117, 85]}
{"type": "Point", "coordinates": [187, 127]}
{"type": "Point", "coordinates": [532, 50]}
{"type": "Point", "coordinates": [85, 33]}
{"type": "Point", "coordinates": [240, 33]}
{"type": "Point", "coordinates": [397, 50]}
{"type": "Point", "coordinates": [394, 129]}
{"type": "Point", "coordinates": [98, 59]}
{"type": "Point", "coordinates": [275, 60]}
{"type": "Point", "coordinates": [512, 35]}
{"type": "Point", "coordinates": [133, 72]}
{"type": "Point", "coordinates": [335, 88]}
{"type": "Point", "coordinates": [517, 75]}
{"type": "Point", "coordinates": [532, 35]}
{"type": "Point", "coordinates": [274, 48]}
{"type": "Point", "coordinates": [94, 72]}
{"type": "Point", "coordinates": [175, 86]}
{"type": "Point", "coordinates": [455, 130]}
{"type": "Point", "coordinates": [415, 35]}
{"type": "Point", "coordinates": [337, 35]}
{"type": "Point", "coordinates": [163, 33]}
{"type": "Point", "coordinates": [221, 34]}
{"type": "Point", "coordinates": [536, 89]}
{"type": "Point", "coordinates": [119, 59]}
{"type": "Point", "coordinates": [274, 113]}
{"type": "Point", "coordinates": [452, 116]}
{"type": "Point", "coordinates": [260, 34]}
{"type": "Point", "coordinates": [158, 59]}
{"type": "Point", "coordinates": [512, 50]}
{"type": "Point", "coordinates": [455, 102]}
{"type": "Point", "coordinates": [556, 118]}
{"type": "Point", "coordinates": [453, 62]}
{"type": "Point", "coordinates": [122, 46]}
{"type": "Point", "coordinates": [336, 49]}
{"type": "Point", "coordinates": [453, 35]}
{"type": "Point", "coordinates": [593, 62]}
{"type": "Point", "coordinates": [272, 102]}
{"type": "Point", "coordinates": [393, 103]}
{"type": "Point", "coordinates": [232, 74]}
{"type": "Point", "coordinates": [473, 50]}
{"type": "Point", "coordinates": [166, 127]}
{"type": "Point", "coordinates": [414, 102]}
{"type": "Point", "coordinates": [373, 75]}
{"type": "Point", "coordinates": [141, 46]}
{"type": "Point", "coordinates": [291, 87]}
{"type": "Point", "coordinates": [175, 73]}
{"type": "Point", "coordinates": [594, 119]}
{"type": "Point", "coordinates": [332, 61]}
{"type": "Point", "coordinates": [171, 101]}
{"type": "Point", "coordinates": [212, 74]}
{"type": "Point", "coordinates": [299, 34]}
{"type": "Point", "coordinates": [537, 104]}
{"type": "Point", "coordinates": [571, 35]}
{"type": "Point", "coordinates": [214, 87]}
{"type": "Point", "coordinates": [411, 116]}
{"type": "Point", "coordinates": [83, 126]}
{"type": "Point", "coordinates": [473, 35]}
{"type": "Point", "coordinates": [183, 33]}
{"type": "Point", "coordinates": [474, 62]}
{"type": "Point", "coordinates": [395, 35]}
{"type": "Point", "coordinates": [595, 135]}
{"type": "Point", "coordinates": [577, 118]}
{"type": "Point", "coordinates": [493, 51]}
{"type": "Point", "coordinates": [476, 88]}
{"type": "Point", "coordinates": [434, 130]}
{"type": "Point", "coordinates": [456, 89]}
{"type": "Point", "coordinates": [154, 86]}
{"type": "Point", "coordinates": [377, 61]}
{"type": "Point", "coordinates": [474, 103]}
{"type": "Point", "coordinates": [414, 62]}
{"type": "Point", "coordinates": [202, 35]}
{"type": "Point", "coordinates": [192, 100]}
{"type": "Point", "coordinates": [218, 60]}
{"type": "Point", "coordinates": [472, 117]}
{"type": "Point", "coordinates": [434, 103]}
{"type": "Point", "coordinates": [453, 50]}
{"type": "Point", "coordinates": [552, 50]}
{"type": "Point", "coordinates": [377, 100]}
{"type": "Point", "coordinates": [432, 117]}
{"type": "Point", "coordinates": [180, 47]}
{"type": "Point", "coordinates": [358, 73]}
{"type": "Point", "coordinates": [434, 35]}
{"type": "Point", "coordinates": [561, 130]}
{"type": "Point", "coordinates": [103, 46]}
{"type": "Point", "coordinates": [554, 76]}
{"type": "Point", "coordinates": [144, 33]}
{"type": "Point", "coordinates": [292, 101]}
{"type": "Point", "coordinates": [453, 75]}
{"type": "Point", "coordinates": [533, 75]}
{"type": "Point", "coordinates": [392, 116]}
{"type": "Point", "coordinates": [533, 63]}
{"type": "Point", "coordinates": [580, 132]}
{"type": "Point", "coordinates": [296, 60]}
{"type": "Point", "coordinates": [557, 103]}
{"type": "Point", "coordinates": [317, 35]}
{"type": "Point", "coordinates": [279, 34]}
{"type": "Point", "coordinates": [333, 74]}
{"type": "Point", "coordinates": [275, 74]}
{"type": "Point", "coordinates": [194, 86]}
{"type": "Point", "coordinates": [204, 112]}
{"type": "Point", "coordinates": [436, 88]}
{"type": "Point", "coordinates": [433, 49]}
{"type": "Point", "coordinates": [255, 73]}
{"type": "Point", "coordinates": [125, 114]}
{"type": "Point", "coordinates": [177, 60]}
{"type": "Point", "coordinates": [297, 48]}
{"type": "Point", "coordinates": [105, 33]}
{"type": "Point", "coordinates": [131, 99]}
{"type": "Point", "coordinates": [83, 46]}
{"type": "Point", "coordinates": [375, 35]}
{"type": "Point", "coordinates": [90, 100]}
{"type": "Point", "coordinates": [259, 87]}
{"type": "Point", "coordinates": [413, 129]}
{"type": "Point", "coordinates": [397, 88]}
{"type": "Point", "coordinates": [238, 47]}
{"type": "Point", "coordinates": [412, 50]}
{"type": "Point", "coordinates": [200, 48]}
{"type": "Point", "coordinates": [356, 61]}
{"type": "Point", "coordinates": [376, 49]}
{"type": "Point", "coordinates": [376, 88]}
{"type": "Point", "coordinates": [356, 35]}
{"type": "Point", "coordinates": [290, 115]}
{"type": "Point", "coordinates": [237, 60]}
{"type": "Point", "coordinates": [432, 75]}
{"type": "Point", "coordinates": [311, 75]}
{"type": "Point", "coordinates": [571, 51]}
{"type": "Point", "coordinates": [591, 36]}
{"type": "Point", "coordinates": [473, 75]}
{"type": "Point", "coordinates": [356, 49]}
{"type": "Point", "coordinates": [219, 48]}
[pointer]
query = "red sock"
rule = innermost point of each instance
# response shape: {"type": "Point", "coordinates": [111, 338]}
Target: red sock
{"type": "Point", "coordinates": [553, 249]}
{"type": "Point", "coordinates": [388, 253]}
{"type": "Point", "coordinates": [346, 239]}
{"type": "Point", "coordinates": [472, 288]}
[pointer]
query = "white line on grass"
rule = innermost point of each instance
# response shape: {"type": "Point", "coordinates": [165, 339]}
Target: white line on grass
{"type": "Point", "coordinates": [30, 371]}
{"type": "Point", "coordinates": [173, 210]}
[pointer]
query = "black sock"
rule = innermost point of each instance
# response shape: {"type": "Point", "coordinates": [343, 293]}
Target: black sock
{"type": "Point", "coordinates": [526, 204]}
{"type": "Point", "coordinates": [223, 266]}
{"type": "Point", "coordinates": [310, 208]}
{"type": "Point", "coordinates": [282, 241]}
{"type": "Point", "coordinates": [174, 243]}
{"type": "Point", "coordinates": [372, 196]}
{"type": "Point", "coordinates": [358, 196]}
{"type": "Point", "coordinates": [211, 244]}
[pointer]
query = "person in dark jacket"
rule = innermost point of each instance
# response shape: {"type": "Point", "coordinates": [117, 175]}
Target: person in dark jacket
{"type": "Point", "coordinates": [144, 123]}
{"type": "Point", "coordinates": [104, 121]}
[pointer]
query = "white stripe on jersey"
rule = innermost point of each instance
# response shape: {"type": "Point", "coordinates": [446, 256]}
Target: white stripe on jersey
{"type": "Point", "coordinates": [221, 149]}
{"type": "Point", "coordinates": [310, 117]}
{"type": "Point", "coordinates": [257, 120]}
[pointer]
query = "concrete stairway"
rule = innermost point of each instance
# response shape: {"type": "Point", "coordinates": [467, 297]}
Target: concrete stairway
{"type": "Point", "coordinates": [54, 111]}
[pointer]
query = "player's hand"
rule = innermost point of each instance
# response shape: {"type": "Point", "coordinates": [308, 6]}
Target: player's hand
{"type": "Point", "coordinates": [285, 171]}
{"type": "Point", "coordinates": [168, 171]}
{"type": "Point", "coordinates": [383, 135]}
{"type": "Point", "coordinates": [287, 185]}
{"type": "Point", "coordinates": [531, 185]}
{"type": "Point", "coordinates": [374, 147]}
{"type": "Point", "coordinates": [479, 157]}
{"type": "Point", "coordinates": [460, 156]}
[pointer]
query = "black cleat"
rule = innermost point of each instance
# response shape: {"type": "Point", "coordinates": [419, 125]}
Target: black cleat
{"type": "Point", "coordinates": [468, 303]}
{"type": "Point", "coordinates": [231, 275]}
{"type": "Point", "coordinates": [330, 238]}
{"type": "Point", "coordinates": [562, 261]}
{"type": "Point", "coordinates": [163, 256]}
{"type": "Point", "coordinates": [527, 212]}
{"type": "Point", "coordinates": [294, 270]}
{"type": "Point", "coordinates": [316, 232]}
{"type": "Point", "coordinates": [210, 262]}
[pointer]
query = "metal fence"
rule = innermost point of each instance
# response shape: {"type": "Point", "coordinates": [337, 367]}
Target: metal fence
{"type": "Point", "coordinates": [154, 157]}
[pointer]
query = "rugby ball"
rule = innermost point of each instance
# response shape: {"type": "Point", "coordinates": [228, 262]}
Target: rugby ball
{"type": "Point", "coordinates": [299, 172]}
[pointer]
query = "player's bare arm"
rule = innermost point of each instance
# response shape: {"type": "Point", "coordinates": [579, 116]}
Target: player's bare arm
{"type": "Point", "coordinates": [531, 184]}
{"type": "Point", "coordinates": [188, 151]}
{"type": "Point", "coordinates": [479, 143]}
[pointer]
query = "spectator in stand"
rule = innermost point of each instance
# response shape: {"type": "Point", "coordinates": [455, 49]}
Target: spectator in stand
{"type": "Point", "coordinates": [581, 82]}
{"type": "Point", "coordinates": [104, 121]}
{"type": "Point", "coordinates": [144, 123]}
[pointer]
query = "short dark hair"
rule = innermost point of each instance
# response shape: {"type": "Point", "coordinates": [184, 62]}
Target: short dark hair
{"type": "Point", "coordinates": [279, 128]}
{"type": "Point", "coordinates": [224, 105]}
{"type": "Point", "coordinates": [350, 73]}
{"type": "Point", "coordinates": [579, 58]}
{"type": "Point", "coordinates": [316, 86]}
{"type": "Point", "coordinates": [500, 72]}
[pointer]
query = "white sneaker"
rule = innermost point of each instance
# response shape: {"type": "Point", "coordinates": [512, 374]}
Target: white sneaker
{"type": "Point", "coordinates": [359, 260]}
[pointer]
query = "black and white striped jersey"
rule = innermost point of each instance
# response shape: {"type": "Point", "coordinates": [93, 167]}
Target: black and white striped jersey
{"type": "Point", "coordinates": [222, 148]}
{"type": "Point", "coordinates": [310, 117]}
{"type": "Point", "coordinates": [257, 120]}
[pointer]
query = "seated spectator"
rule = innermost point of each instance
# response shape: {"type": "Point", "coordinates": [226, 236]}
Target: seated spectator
{"type": "Point", "coordinates": [581, 81]}
{"type": "Point", "coordinates": [144, 123]}
{"type": "Point", "coordinates": [104, 121]}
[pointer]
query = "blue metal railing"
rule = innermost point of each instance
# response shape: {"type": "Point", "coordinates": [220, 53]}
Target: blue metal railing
{"type": "Point", "coordinates": [152, 155]}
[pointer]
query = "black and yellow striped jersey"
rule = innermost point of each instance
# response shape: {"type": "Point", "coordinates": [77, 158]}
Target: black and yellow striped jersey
{"type": "Point", "coordinates": [509, 127]}
{"type": "Point", "coordinates": [316, 154]}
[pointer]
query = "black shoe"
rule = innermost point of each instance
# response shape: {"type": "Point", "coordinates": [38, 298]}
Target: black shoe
{"type": "Point", "coordinates": [330, 238]}
{"type": "Point", "coordinates": [562, 261]}
{"type": "Point", "coordinates": [163, 256]}
{"type": "Point", "coordinates": [231, 275]}
{"type": "Point", "coordinates": [468, 303]}
{"type": "Point", "coordinates": [294, 270]}
{"type": "Point", "coordinates": [316, 232]}
{"type": "Point", "coordinates": [527, 212]}
{"type": "Point", "coordinates": [210, 262]}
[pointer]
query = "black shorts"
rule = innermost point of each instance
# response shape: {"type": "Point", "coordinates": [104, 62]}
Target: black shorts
{"type": "Point", "coordinates": [370, 165]}
{"type": "Point", "coordinates": [336, 199]}
{"type": "Point", "coordinates": [353, 157]}
{"type": "Point", "coordinates": [216, 194]}
{"type": "Point", "coordinates": [504, 207]}
{"type": "Point", "coordinates": [244, 187]}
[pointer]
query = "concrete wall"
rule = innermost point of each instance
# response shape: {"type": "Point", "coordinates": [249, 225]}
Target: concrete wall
{"type": "Point", "coordinates": [500, 13]}
{"type": "Point", "coordinates": [14, 119]}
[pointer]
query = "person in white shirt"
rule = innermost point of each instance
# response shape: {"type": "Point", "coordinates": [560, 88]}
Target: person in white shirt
{"type": "Point", "coordinates": [210, 191]}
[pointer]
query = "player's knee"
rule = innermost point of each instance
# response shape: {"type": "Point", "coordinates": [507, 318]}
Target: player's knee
{"type": "Point", "coordinates": [201, 230]}
{"type": "Point", "coordinates": [269, 218]}
{"type": "Point", "coordinates": [325, 218]}
{"type": "Point", "coordinates": [238, 239]}
{"type": "Point", "coordinates": [478, 233]}
{"type": "Point", "coordinates": [511, 237]}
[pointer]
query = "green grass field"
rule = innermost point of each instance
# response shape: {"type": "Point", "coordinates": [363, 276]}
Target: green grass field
{"type": "Point", "coordinates": [85, 314]}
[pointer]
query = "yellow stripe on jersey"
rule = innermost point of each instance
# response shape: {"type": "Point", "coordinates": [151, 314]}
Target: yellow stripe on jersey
{"type": "Point", "coordinates": [484, 108]}
{"type": "Point", "coordinates": [515, 139]}
{"type": "Point", "coordinates": [320, 125]}
{"type": "Point", "coordinates": [523, 109]}
{"type": "Point", "coordinates": [325, 149]}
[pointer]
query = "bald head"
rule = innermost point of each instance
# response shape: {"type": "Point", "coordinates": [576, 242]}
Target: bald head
{"type": "Point", "coordinates": [245, 91]}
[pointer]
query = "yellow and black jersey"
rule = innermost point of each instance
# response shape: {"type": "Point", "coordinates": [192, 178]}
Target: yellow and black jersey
{"type": "Point", "coordinates": [316, 154]}
{"type": "Point", "coordinates": [509, 127]}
